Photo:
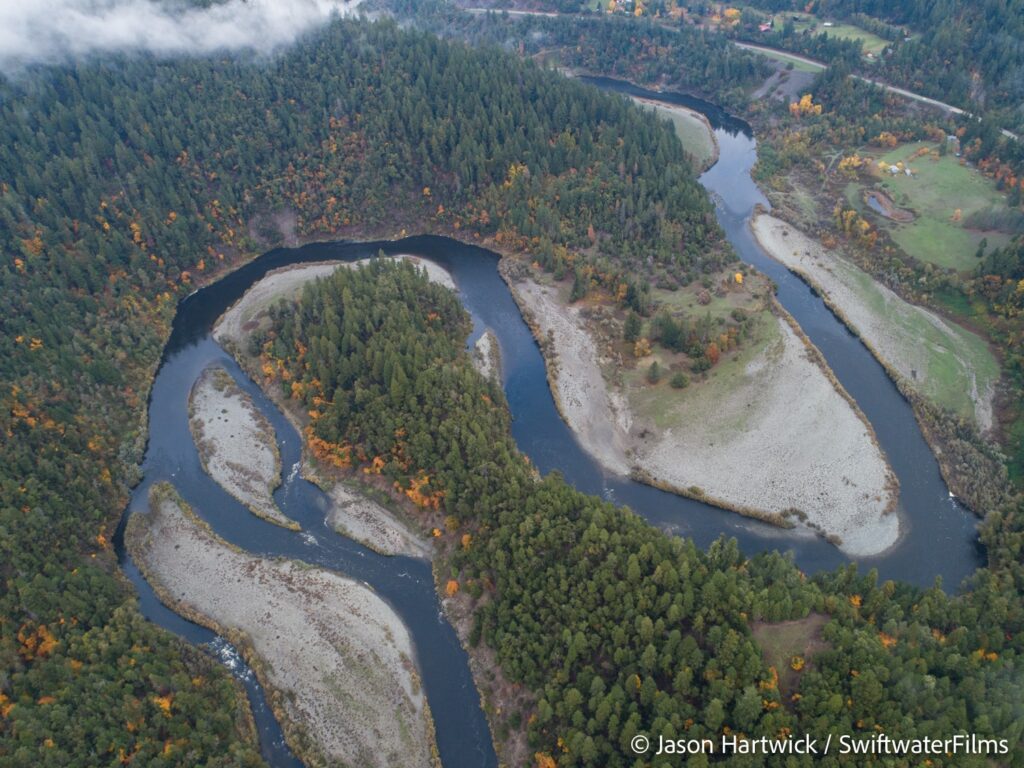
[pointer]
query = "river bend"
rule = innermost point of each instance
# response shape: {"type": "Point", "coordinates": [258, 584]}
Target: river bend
{"type": "Point", "coordinates": [940, 540]}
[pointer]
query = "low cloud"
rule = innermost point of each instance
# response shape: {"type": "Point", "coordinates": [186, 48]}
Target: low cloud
{"type": "Point", "coordinates": [53, 31]}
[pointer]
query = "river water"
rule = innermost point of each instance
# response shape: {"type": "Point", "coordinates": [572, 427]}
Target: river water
{"type": "Point", "coordinates": [940, 538]}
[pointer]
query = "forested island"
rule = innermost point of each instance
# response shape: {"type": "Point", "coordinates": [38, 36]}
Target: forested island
{"type": "Point", "coordinates": [129, 180]}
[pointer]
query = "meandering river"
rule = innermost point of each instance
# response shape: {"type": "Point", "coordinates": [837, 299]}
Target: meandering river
{"type": "Point", "coordinates": [940, 537]}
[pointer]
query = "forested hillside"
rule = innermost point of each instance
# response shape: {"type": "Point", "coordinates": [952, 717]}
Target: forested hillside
{"type": "Point", "coordinates": [963, 52]}
{"type": "Point", "coordinates": [126, 182]}
{"type": "Point", "coordinates": [613, 627]}
{"type": "Point", "coordinates": [639, 50]}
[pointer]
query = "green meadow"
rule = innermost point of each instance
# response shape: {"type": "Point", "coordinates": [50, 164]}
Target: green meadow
{"type": "Point", "coordinates": [942, 194]}
{"type": "Point", "coordinates": [871, 42]}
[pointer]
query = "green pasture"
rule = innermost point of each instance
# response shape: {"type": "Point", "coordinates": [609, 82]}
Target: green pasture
{"type": "Point", "coordinates": [871, 42]}
{"type": "Point", "coordinates": [661, 402]}
{"type": "Point", "coordinates": [951, 360]}
{"type": "Point", "coordinates": [935, 192]}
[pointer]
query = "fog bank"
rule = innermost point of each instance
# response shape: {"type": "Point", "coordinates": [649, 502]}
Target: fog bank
{"type": "Point", "coordinates": [51, 31]}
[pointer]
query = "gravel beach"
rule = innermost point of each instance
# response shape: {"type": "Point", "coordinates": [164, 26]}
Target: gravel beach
{"type": "Point", "coordinates": [337, 660]}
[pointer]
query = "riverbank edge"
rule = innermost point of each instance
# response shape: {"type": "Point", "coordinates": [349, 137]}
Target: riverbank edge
{"type": "Point", "coordinates": [296, 734]}
{"type": "Point", "coordinates": [263, 425]}
{"type": "Point", "coordinates": [486, 356]}
{"type": "Point", "coordinates": [699, 116]}
{"type": "Point", "coordinates": [779, 519]}
{"type": "Point", "coordinates": [892, 481]}
{"type": "Point", "coordinates": [310, 470]}
{"type": "Point", "coordinates": [924, 409]}
{"type": "Point", "coordinates": [717, 150]}
{"type": "Point", "coordinates": [661, 86]}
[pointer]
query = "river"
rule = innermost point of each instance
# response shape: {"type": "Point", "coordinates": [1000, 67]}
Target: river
{"type": "Point", "coordinates": [941, 538]}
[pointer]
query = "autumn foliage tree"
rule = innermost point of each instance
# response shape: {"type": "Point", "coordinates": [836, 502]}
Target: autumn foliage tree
{"type": "Point", "coordinates": [712, 353]}
{"type": "Point", "coordinates": [804, 106]}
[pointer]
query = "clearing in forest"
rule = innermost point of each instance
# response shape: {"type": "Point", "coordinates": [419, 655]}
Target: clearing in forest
{"type": "Point", "coordinates": [956, 208]}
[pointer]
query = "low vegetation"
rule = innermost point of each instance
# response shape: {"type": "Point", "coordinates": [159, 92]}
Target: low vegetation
{"type": "Point", "coordinates": [812, 24]}
{"type": "Point", "coordinates": [946, 197]}
{"type": "Point", "coordinates": [816, 180]}
{"type": "Point", "coordinates": [937, 358]}
{"type": "Point", "coordinates": [789, 649]}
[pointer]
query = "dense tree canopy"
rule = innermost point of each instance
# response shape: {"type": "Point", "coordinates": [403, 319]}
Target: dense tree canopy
{"type": "Point", "coordinates": [126, 181]}
{"type": "Point", "coordinates": [616, 628]}
{"type": "Point", "coordinates": [638, 50]}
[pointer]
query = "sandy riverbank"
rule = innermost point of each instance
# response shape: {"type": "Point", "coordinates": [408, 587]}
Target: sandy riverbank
{"type": "Point", "coordinates": [487, 356]}
{"type": "Point", "coordinates": [775, 439]}
{"type": "Point", "coordinates": [286, 283]}
{"type": "Point", "coordinates": [358, 517]}
{"type": "Point", "coordinates": [336, 659]}
{"type": "Point", "coordinates": [778, 436]}
{"type": "Point", "coordinates": [236, 444]}
{"type": "Point", "coordinates": [598, 415]}
{"type": "Point", "coordinates": [938, 359]}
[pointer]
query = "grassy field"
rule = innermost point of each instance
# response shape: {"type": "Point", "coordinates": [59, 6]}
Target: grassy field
{"type": "Point", "coordinates": [692, 132]}
{"type": "Point", "coordinates": [938, 189]}
{"type": "Point", "coordinates": [871, 42]}
{"type": "Point", "coordinates": [802, 205]}
{"type": "Point", "coordinates": [686, 300]}
{"type": "Point", "coordinates": [658, 402]}
{"type": "Point", "coordinates": [948, 354]}
{"type": "Point", "coordinates": [783, 641]}
{"type": "Point", "coordinates": [977, 312]}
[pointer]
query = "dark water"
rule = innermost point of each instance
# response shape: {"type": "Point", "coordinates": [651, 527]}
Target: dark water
{"type": "Point", "coordinates": [941, 535]}
{"type": "Point", "coordinates": [941, 539]}
{"type": "Point", "coordinates": [876, 206]}
{"type": "Point", "coordinates": [462, 732]}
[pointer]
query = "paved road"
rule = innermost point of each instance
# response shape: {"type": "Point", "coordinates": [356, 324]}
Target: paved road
{"type": "Point", "coordinates": [795, 56]}
{"type": "Point", "coordinates": [510, 12]}
{"type": "Point", "coordinates": [891, 88]}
